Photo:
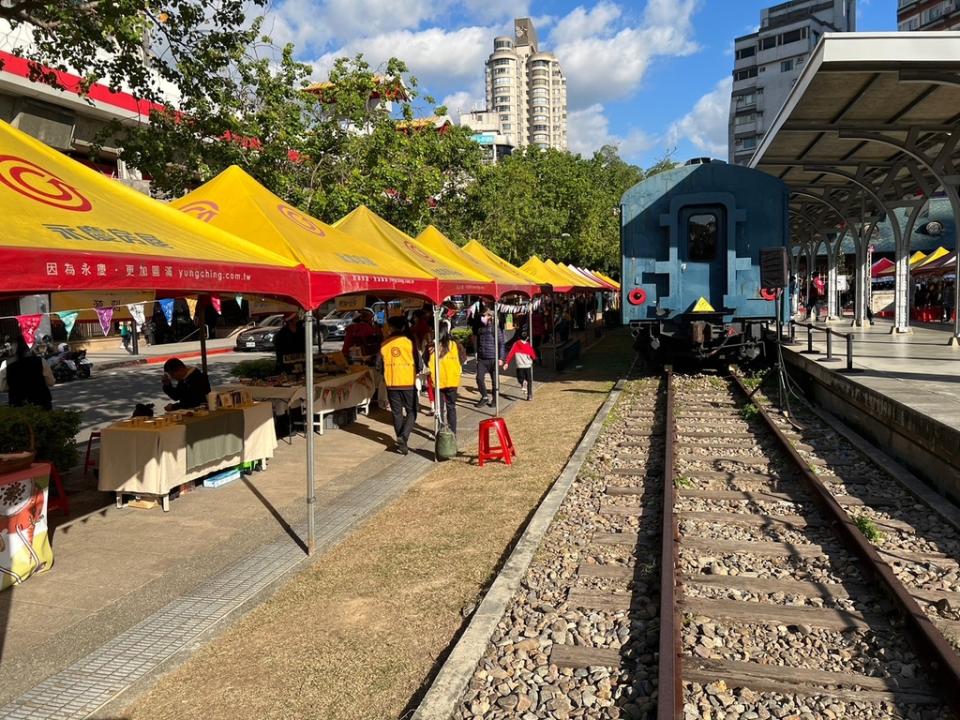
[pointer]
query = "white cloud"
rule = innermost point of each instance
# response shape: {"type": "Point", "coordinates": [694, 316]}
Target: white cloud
{"type": "Point", "coordinates": [462, 102]}
{"type": "Point", "coordinates": [705, 126]}
{"type": "Point", "coordinates": [437, 57]}
{"type": "Point", "coordinates": [605, 60]}
{"type": "Point", "coordinates": [492, 10]}
{"type": "Point", "coordinates": [589, 130]}
{"type": "Point", "coordinates": [310, 24]}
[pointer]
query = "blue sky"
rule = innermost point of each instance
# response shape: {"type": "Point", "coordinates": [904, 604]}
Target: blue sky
{"type": "Point", "coordinates": [649, 76]}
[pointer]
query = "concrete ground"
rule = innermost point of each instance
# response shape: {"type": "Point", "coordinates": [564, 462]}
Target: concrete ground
{"type": "Point", "coordinates": [114, 568]}
{"type": "Point", "coordinates": [919, 370]}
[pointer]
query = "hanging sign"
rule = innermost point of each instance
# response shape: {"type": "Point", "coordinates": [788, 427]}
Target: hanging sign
{"type": "Point", "coordinates": [69, 319]}
{"type": "Point", "coordinates": [350, 302]}
{"type": "Point", "coordinates": [167, 306]}
{"type": "Point", "coordinates": [28, 327]}
{"type": "Point", "coordinates": [105, 315]}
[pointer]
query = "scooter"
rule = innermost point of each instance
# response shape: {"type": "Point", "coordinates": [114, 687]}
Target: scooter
{"type": "Point", "coordinates": [68, 364]}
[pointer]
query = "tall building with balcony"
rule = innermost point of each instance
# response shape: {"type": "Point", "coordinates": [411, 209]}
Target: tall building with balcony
{"type": "Point", "coordinates": [928, 15]}
{"type": "Point", "coordinates": [527, 90]}
{"type": "Point", "coordinates": [768, 62]}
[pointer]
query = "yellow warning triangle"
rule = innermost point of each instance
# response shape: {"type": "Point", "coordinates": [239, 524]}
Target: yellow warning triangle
{"type": "Point", "coordinates": [703, 306]}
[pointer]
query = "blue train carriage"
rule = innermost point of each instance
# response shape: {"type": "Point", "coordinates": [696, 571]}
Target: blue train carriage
{"type": "Point", "coordinates": [690, 245]}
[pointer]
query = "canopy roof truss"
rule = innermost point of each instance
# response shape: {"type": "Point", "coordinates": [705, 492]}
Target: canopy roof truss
{"type": "Point", "coordinates": [872, 125]}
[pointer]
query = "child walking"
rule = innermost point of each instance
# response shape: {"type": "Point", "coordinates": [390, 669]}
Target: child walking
{"type": "Point", "coordinates": [524, 354]}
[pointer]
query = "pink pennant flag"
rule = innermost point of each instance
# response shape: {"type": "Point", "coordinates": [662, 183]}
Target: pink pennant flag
{"type": "Point", "coordinates": [215, 301]}
{"type": "Point", "coordinates": [105, 315]}
{"type": "Point", "coordinates": [28, 327]}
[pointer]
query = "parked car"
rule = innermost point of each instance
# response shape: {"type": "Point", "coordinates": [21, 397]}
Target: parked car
{"type": "Point", "coordinates": [260, 337]}
{"type": "Point", "coordinates": [334, 324]}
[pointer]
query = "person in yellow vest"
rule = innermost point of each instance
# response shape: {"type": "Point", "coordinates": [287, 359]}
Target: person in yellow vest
{"type": "Point", "coordinates": [400, 363]}
{"type": "Point", "coordinates": [452, 358]}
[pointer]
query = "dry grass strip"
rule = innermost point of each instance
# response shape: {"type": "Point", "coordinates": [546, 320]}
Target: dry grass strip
{"type": "Point", "coordinates": [356, 635]}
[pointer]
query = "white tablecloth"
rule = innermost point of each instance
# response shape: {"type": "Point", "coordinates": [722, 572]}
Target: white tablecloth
{"type": "Point", "coordinates": [153, 461]}
{"type": "Point", "coordinates": [335, 392]}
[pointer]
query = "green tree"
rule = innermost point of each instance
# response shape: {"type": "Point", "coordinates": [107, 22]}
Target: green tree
{"type": "Point", "coordinates": [149, 47]}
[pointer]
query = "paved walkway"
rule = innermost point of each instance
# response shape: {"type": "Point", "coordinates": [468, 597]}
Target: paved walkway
{"type": "Point", "coordinates": [151, 584]}
{"type": "Point", "coordinates": [919, 370]}
{"type": "Point", "coordinates": [106, 359]}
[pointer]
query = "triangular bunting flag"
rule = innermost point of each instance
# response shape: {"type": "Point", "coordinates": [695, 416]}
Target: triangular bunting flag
{"type": "Point", "coordinates": [240, 301]}
{"type": "Point", "coordinates": [136, 312]}
{"type": "Point", "coordinates": [215, 301]}
{"type": "Point", "coordinates": [69, 319]}
{"type": "Point", "coordinates": [191, 306]}
{"type": "Point", "coordinates": [703, 306]}
{"type": "Point", "coordinates": [28, 327]}
{"type": "Point", "coordinates": [167, 307]}
{"type": "Point", "coordinates": [105, 315]}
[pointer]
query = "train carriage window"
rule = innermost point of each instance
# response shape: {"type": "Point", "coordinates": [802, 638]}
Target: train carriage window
{"type": "Point", "coordinates": [702, 230]}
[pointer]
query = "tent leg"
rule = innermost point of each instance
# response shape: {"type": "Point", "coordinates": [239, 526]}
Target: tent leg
{"type": "Point", "coordinates": [437, 399]}
{"type": "Point", "coordinates": [311, 494]}
{"type": "Point", "coordinates": [203, 347]}
{"type": "Point", "coordinates": [496, 359]}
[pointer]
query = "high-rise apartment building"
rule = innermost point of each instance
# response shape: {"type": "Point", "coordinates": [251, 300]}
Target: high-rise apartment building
{"type": "Point", "coordinates": [526, 90]}
{"type": "Point", "coordinates": [768, 62]}
{"type": "Point", "coordinates": [928, 14]}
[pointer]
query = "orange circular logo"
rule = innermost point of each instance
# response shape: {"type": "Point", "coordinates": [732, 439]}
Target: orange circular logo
{"type": "Point", "coordinates": [32, 181]}
{"type": "Point", "coordinates": [204, 210]}
{"type": "Point", "coordinates": [417, 251]}
{"type": "Point", "coordinates": [395, 352]}
{"type": "Point", "coordinates": [300, 219]}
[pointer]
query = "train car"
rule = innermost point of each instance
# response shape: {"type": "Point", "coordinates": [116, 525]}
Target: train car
{"type": "Point", "coordinates": [690, 243]}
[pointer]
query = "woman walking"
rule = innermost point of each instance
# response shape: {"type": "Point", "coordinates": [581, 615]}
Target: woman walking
{"type": "Point", "coordinates": [452, 357]}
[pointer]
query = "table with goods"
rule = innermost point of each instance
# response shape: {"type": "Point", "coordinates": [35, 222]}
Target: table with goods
{"type": "Point", "coordinates": [24, 543]}
{"type": "Point", "coordinates": [150, 457]}
{"type": "Point", "coordinates": [337, 386]}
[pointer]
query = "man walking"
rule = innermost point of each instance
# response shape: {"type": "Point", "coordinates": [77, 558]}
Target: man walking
{"type": "Point", "coordinates": [490, 352]}
{"type": "Point", "coordinates": [400, 363]}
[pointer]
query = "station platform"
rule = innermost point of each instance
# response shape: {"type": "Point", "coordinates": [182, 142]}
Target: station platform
{"type": "Point", "coordinates": [904, 393]}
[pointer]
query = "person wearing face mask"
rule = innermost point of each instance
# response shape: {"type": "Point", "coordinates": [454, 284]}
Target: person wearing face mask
{"type": "Point", "coordinates": [489, 353]}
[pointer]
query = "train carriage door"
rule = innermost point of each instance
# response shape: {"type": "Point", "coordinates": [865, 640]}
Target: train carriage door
{"type": "Point", "coordinates": [702, 253]}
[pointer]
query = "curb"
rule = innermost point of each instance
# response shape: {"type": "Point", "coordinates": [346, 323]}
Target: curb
{"type": "Point", "coordinates": [154, 359]}
{"type": "Point", "coordinates": [450, 683]}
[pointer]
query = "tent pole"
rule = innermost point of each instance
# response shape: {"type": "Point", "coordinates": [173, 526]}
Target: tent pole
{"type": "Point", "coordinates": [308, 433]}
{"type": "Point", "coordinates": [203, 344]}
{"type": "Point", "coordinates": [437, 399]}
{"type": "Point", "coordinates": [496, 359]}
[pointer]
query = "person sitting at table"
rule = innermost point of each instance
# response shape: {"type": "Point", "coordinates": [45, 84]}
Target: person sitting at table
{"type": "Point", "coordinates": [290, 341]}
{"type": "Point", "coordinates": [191, 389]}
{"type": "Point", "coordinates": [363, 335]}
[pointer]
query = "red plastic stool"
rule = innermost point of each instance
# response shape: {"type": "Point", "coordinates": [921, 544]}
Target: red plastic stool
{"type": "Point", "coordinates": [88, 462]}
{"type": "Point", "coordinates": [61, 502]}
{"type": "Point", "coordinates": [504, 451]}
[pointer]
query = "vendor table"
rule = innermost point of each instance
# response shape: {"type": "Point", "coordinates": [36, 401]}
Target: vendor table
{"type": "Point", "coordinates": [330, 393]}
{"type": "Point", "coordinates": [154, 460]}
{"type": "Point", "coordinates": [24, 543]}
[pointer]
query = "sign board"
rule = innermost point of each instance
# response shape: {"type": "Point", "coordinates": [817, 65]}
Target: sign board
{"type": "Point", "coordinates": [484, 138]}
{"type": "Point", "coordinates": [351, 302]}
{"type": "Point", "coordinates": [843, 283]}
{"type": "Point", "coordinates": [86, 301]}
{"type": "Point", "coordinates": [411, 303]}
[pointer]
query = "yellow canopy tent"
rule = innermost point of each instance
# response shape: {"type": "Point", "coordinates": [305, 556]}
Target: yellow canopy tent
{"type": "Point", "coordinates": [917, 257]}
{"type": "Point", "coordinates": [366, 225]}
{"type": "Point", "coordinates": [586, 275]}
{"type": "Point", "coordinates": [607, 279]}
{"type": "Point", "coordinates": [490, 259]}
{"type": "Point", "coordinates": [338, 263]}
{"type": "Point", "coordinates": [68, 227]}
{"type": "Point", "coordinates": [576, 280]}
{"type": "Point", "coordinates": [505, 282]}
{"type": "Point", "coordinates": [931, 258]}
{"type": "Point", "coordinates": [544, 275]}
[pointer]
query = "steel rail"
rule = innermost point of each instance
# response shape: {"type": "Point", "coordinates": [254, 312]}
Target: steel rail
{"type": "Point", "coordinates": [670, 683]}
{"type": "Point", "coordinates": [930, 644]}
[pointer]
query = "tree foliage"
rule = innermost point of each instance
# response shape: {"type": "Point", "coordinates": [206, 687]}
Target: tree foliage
{"type": "Point", "coordinates": [148, 47]}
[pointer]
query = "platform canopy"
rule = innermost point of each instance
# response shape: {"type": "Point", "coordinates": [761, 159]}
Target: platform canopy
{"type": "Point", "coordinates": [69, 227]}
{"type": "Point", "coordinates": [504, 283]}
{"type": "Point", "coordinates": [338, 263]}
{"type": "Point", "coordinates": [449, 279]}
{"type": "Point", "coordinates": [872, 124]}
{"type": "Point", "coordinates": [536, 268]}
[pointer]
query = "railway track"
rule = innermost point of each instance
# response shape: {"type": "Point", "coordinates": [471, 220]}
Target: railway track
{"type": "Point", "coordinates": [712, 561]}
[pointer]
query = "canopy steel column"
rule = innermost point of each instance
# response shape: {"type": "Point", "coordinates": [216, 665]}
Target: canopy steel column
{"type": "Point", "coordinates": [944, 171]}
{"type": "Point", "coordinates": [308, 433]}
{"type": "Point", "coordinates": [832, 274]}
